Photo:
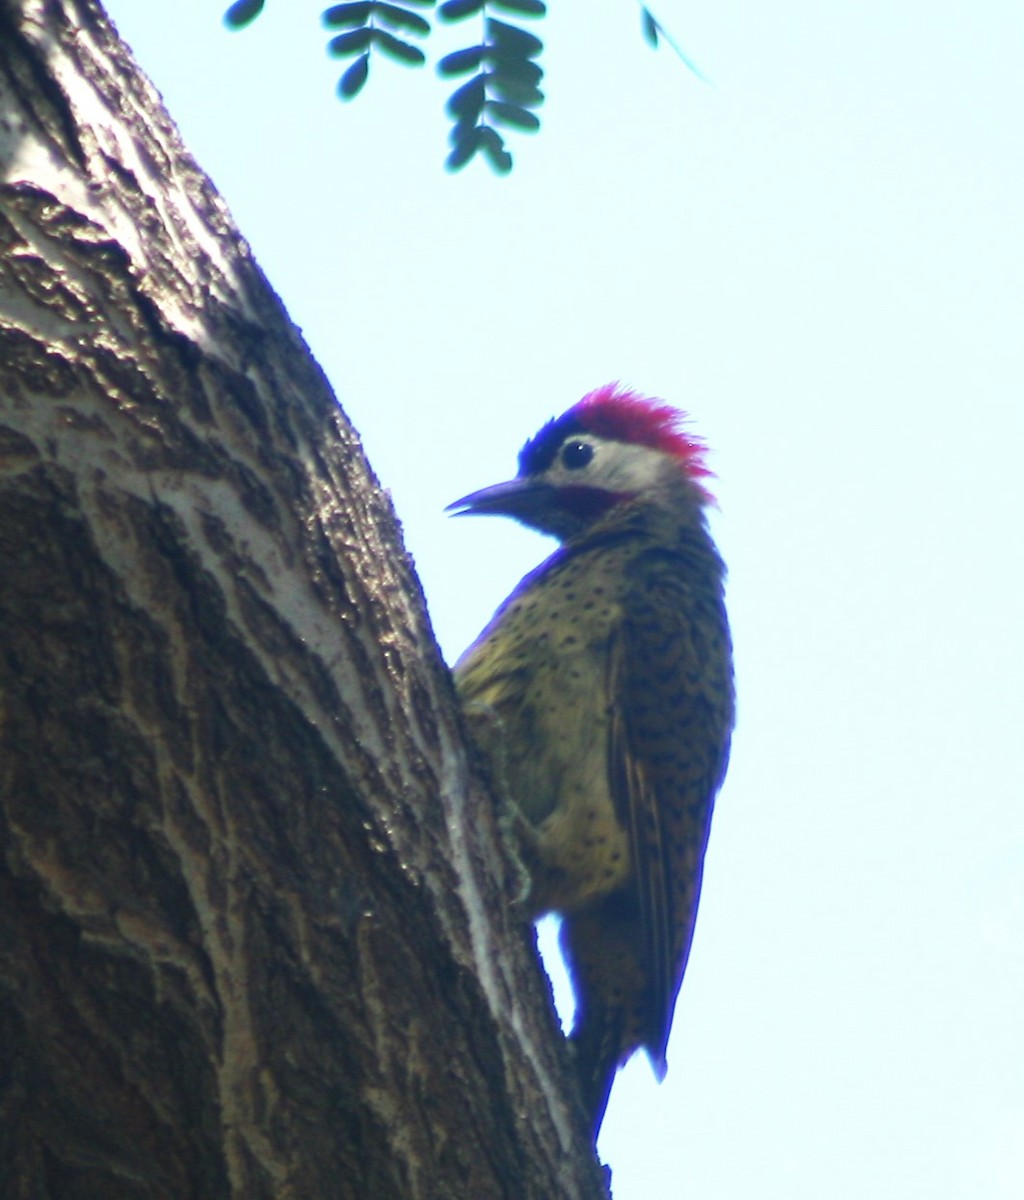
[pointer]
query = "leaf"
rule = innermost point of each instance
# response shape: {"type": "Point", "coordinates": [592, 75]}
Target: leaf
{"type": "Point", "coordinates": [656, 33]}
{"type": "Point", "coordinates": [400, 18]}
{"type": "Point", "coordinates": [512, 115]}
{"type": "Point", "coordinates": [480, 138]}
{"type": "Point", "coordinates": [353, 42]}
{"type": "Point", "coordinates": [351, 83]}
{"type": "Point", "coordinates": [395, 48]}
{"type": "Point", "coordinates": [340, 16]}
{"type": "Point", "coordinates": [462, 152]}
{"type": "Point", "coordinates": [461, 61]}
{"type": "Point", "coordinates": [521, 70]}
{"type": "Point", "coordinates": [493, 146]}
{"type": "Point", "coordinates": [516, 41]}
{"type": "Point", "coordinates": [528, 8]}
{"type": "Point", "coordinates": [470, 98]}
{"type": "Point", "coordinates": [455, 10]}
{"type": "Point", "coordinates": [522, 94]}
{"type": "Point", "coordinates": [242, 12]}
{"type": "Point", "coordinates": [650, 27]}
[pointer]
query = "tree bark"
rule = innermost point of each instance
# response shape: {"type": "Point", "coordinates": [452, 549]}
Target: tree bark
{"type": "Point", "coordinates": [255, 929]}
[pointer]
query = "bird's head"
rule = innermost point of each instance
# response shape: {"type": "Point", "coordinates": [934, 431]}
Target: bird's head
{"type": "Point", "coordinates": [610, 449]}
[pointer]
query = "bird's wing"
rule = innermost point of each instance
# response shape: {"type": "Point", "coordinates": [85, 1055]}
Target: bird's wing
{"type": "Point", "coordinates": [671, 694]}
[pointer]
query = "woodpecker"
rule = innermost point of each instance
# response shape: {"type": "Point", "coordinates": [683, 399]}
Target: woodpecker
{"type": "Point", "coordinates": [607, 687]}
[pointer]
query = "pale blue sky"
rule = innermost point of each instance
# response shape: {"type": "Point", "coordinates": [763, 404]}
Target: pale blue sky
{"type": "Point", "coordinates": [820, 255]}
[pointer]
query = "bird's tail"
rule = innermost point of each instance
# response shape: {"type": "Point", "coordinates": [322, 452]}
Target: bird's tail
{"type": "Point", "coordinates": [601, 952]}
{"type": "Point", "coordinates": [596, 1055]}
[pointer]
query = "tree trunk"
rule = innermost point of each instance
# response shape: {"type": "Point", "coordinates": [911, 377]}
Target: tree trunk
{"type": "Point", "coordinates": [255, 930]}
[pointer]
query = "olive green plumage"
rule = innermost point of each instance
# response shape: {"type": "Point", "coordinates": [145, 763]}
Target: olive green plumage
{"type": "Point", "coordinates": [607, 678]}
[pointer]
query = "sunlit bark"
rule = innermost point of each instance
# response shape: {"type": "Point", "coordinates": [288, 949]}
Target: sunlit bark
{"type": "Point", "coordinates": [255, 937]}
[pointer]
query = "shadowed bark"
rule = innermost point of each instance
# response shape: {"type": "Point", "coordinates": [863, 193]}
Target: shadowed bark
{"type": "Point", "coordinates": [255, 937]}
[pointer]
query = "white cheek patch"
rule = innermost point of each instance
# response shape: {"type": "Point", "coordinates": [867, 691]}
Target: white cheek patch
{"type": "Point", "coordinates": [615, 467]}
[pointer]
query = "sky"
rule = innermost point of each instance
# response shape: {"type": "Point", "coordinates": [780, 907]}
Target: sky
{"type": "Point", "coordinates": [819, 254]}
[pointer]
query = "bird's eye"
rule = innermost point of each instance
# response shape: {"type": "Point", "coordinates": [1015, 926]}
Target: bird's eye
{"type": "Point", "coordinates": [576, 455]}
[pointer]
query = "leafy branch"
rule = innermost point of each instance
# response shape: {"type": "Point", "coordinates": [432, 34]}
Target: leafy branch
{"type": "Point", "coordinates": [504, 88]}
{"type": "Point", "coordinates": [374, 26]}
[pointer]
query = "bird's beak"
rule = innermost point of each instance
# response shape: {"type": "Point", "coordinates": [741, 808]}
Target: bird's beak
{"type": "Point", "coordinates": [519, 498]}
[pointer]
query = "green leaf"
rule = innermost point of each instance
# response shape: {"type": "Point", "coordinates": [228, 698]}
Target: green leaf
{"type": "Point", "coordinates": [493, 146]}
{"type": "Point", "coordinates": [515, 41]}
{"type": "Point", "coordinates": [461, 61]}
{"type": "Point", "coordinates": [400, 18]}
{"type": "Point", "coordinates": [466, 100]}
{"type": "Point", "coordinates": [455, 10]}
{"type": "Point", "coordinates": [519, 70]}
{"type": "Point", "coordinates": [395, 48]}
{"type": "Point", "coordinates": [351, 83]}
{"type": "Point", "coordinates": [528, 8]}
{"type": "Point", "coordinates": [512, 115]}
{"type": "Point", "coordinates": [341, 16]}
{"type": "Point", "coordinates": [242, 12]}
{"type": "Point", "coordinates": [480, 138]}
{"type": "Point", "coordinates": [650, 28]}
{"type": "Point", "coordinates": [461, 153]}
{"type": "Point", "coordinates": [353, 42]}
{"type": "Point", "coordinates": [463, 129]}
{"type": "Point", "coordinates": [522, 94]}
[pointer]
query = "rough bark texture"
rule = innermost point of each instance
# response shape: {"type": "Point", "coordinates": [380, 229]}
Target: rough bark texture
{"type": "Point", "coordinates": [254, 930]}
